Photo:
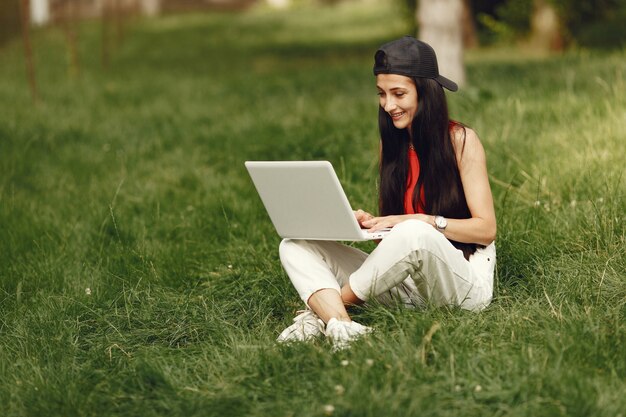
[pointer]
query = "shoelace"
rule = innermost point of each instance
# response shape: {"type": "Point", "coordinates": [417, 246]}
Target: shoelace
{"type": "Point", "coordinates": [301, 315]}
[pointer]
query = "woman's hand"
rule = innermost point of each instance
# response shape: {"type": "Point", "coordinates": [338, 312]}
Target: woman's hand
{"type": "Point", "coordinates": [377, 223]}
{"type": "Point", "coordinates": [362, 216]}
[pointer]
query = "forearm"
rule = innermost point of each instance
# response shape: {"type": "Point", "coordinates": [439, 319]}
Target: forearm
{"type": "Point", "coordinates": [473, 230]}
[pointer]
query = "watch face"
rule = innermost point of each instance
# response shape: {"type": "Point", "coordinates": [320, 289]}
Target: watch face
{"type": "Point", "coordinates": [441, 222]}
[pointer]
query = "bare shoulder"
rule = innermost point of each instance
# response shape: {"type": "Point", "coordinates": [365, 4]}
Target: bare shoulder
{"type": "Point", "coordinates": [467, 145]}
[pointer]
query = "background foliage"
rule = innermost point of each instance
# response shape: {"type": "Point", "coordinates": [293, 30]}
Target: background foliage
{"type": "Point", "coordinates": [598, 24]}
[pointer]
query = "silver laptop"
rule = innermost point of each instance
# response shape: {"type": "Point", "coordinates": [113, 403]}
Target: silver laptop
{"type": "Point", "coordinates": [304, 200]}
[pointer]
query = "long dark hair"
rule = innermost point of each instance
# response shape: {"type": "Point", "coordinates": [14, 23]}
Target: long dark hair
{"type": "Point", "coordinates": [439, 172]}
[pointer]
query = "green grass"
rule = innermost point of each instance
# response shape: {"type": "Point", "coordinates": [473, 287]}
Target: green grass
{"type": "Point", "coordinates": [130, 182]}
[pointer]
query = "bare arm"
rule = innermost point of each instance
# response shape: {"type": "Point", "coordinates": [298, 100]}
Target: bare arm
{"type": "Point", "coordinates": [481, 227]}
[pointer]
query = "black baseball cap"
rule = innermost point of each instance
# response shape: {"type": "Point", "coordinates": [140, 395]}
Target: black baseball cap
{"type": "Point", "coordinates": [412, 58]}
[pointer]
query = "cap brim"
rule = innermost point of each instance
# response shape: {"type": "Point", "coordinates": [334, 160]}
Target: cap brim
{"type": "Point", "coordinates": [446, 83]}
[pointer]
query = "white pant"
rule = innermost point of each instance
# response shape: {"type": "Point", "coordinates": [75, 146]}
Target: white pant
{"type": "Point", "coordinates": [414, 264]}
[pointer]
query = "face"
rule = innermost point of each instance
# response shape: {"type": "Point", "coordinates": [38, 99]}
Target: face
{"type": "Point", "coordinates": [398, 97]}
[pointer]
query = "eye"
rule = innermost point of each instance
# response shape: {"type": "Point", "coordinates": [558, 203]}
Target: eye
{"type": "Point", "coordinates": [400, 94]}
{"type": "Point", "coordinates": [380, 94]}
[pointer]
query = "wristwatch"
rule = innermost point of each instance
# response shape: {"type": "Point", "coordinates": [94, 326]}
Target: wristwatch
{"type": "Point", "coordinates": [441, 223]}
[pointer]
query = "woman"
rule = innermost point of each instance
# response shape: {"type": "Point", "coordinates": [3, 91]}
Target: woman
{"type": "Point", "coordinates": [434, 193]}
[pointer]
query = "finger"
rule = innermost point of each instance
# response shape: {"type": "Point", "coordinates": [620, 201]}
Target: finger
{"type": "Point", "coordinates": [370, 222]}
{"type": "Point", "coordinates": [377, 223]}
{"type": "Point", "coordinates": [378, 227]}
{"type": "Point", "coordinates": [382, 223]}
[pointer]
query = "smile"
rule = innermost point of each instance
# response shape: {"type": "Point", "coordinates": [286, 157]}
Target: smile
{"type": "Point", "coordinates": [396, 116]}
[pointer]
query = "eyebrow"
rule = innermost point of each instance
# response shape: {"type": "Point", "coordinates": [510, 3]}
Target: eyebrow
{"type": "Point", "coordinates": [394, 88]}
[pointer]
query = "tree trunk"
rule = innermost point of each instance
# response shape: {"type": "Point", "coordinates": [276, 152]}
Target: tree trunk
{"type": "Point", "coordinates": [279, 4]}
{"type": "Point", "coordinates": [70, 17]}
{"type": "Point", "coordinates": [150, 8]}
{"type": "Point", "coordinates": [440, 25]}
{"type": "Point", "coordinates": [545, 27]}
{"type": "Point", "coordinates": [470, 36]}
{"type": "Point", "coordinates": [105, 50]}
{"type": "Point", "coordinates": [40, 12]}
{"type": "Point", "coordinates": [28, 50]}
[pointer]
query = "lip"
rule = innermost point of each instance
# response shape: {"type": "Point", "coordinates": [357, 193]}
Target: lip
{"type": "Point", "coordinates": [397, 116]}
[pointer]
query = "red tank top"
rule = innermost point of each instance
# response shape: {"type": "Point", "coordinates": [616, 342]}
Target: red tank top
{"type": "Point", "coordinates": [413, 175]}
{"type": "Point", "coordinates": [411, 182]}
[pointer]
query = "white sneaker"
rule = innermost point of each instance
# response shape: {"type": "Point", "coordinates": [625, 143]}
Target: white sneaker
{"type": "Point", "coordinates": [341, 333]}
{"type": "Point", "coordinates": [306, 326]}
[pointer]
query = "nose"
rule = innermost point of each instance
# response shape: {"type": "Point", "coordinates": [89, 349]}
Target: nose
{"type": "Point", "coordinates": [390, 104]}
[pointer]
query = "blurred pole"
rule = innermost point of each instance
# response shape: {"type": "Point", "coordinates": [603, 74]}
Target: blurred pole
{"type": "Point", "coordinates": [28, 51]}
{"type": "Point", "coordinates": [118, 18]}
{"type": "Point", "coordinates": [113, 28]}
{"type": "Point", "coordinates": [440, 24]}
{"type": "Point", "coordinates": [105, 45]}
{"type": "Point", "coordinates": [69, 27]}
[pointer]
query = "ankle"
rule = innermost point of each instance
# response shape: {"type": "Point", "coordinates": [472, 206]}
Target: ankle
{"type": "Point", "coordinates": [340, 318]}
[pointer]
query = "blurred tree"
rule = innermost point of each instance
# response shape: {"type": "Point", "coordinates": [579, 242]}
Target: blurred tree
{"type": "Point", "coordinates": [114, 16]}
{"type": "Point", "coordinates": [9, 20]}
{"type": "Point", "coordinates": [150, 8]}
{"type": "Point", "coordinates": [68, 22]}
{"type": "Point", "coordinates": [468, 20]}
{"type": "Point", "coordinates": [470, 36]}
{"type": "Point", "coordinates": [107, 18]}
{"type": "Point", "coordinates": [440, 25]}
{"type": "Point", "coordinates": [279, 4]}
{"type": "Point", "coordinates": [545, 27]}
{"type": "Point", "coordinates": [598, 23]}
{"type": "Point", "coordinates": [553, 24]}
{"type": "Point", "coordinates": [40, 12]}
{"type": "Point", "coordinates": [28, 50]}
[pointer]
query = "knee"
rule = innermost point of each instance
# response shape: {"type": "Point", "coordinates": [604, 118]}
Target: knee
{"type": "Point", "coordinates": [286, 246]}
{"type": "Point", "coordinates": [415, 227]}
{"type": "Point", "coordinates": [417, 232]}
{"type": "Point", "coordinates": [289, 247]}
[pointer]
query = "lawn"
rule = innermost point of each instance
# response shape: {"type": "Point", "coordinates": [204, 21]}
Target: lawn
{"type": "Point", "coordinates": [139, 271]}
